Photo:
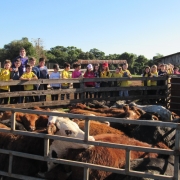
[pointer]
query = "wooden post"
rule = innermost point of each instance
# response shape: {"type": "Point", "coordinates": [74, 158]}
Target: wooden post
{"type": "Point", "coordinates": [82, 88]}
{"type": "Point", "coordinates": [166, 94]}
{"type": "Point", "coordinates": [177, 155]}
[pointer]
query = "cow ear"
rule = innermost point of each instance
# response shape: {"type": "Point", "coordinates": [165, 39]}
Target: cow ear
{"type": "Point", "coordinates": [51, 129]}
{"type": "Point", "coordinates": [126, 108]}
{"type": "Point", "coordinates": [76, 121]}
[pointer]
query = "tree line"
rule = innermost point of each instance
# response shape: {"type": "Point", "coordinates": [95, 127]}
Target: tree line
{"type": "Point", "coordinates": [70, 54]}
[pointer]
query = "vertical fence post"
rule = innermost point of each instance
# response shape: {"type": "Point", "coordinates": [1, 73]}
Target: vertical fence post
{"type": "Point", "coordinates": [86, 173]}
{"type": "Point", "coordinates": [128, 154]}
{"type": "Point", "coordinates": [46, 147]}
{"type": "Point", "coordinates": [177, 156]}
{"type": "Point", "coordinates": [167, 92]}
{"type": "Point", "coordinates": [10, 164]}
{"type": "Point", "coordinates": [82, 88]}
{"type": "Point", "coordinates": [13, 120]}
{"type": "Point", "coordinates": [86, 169]}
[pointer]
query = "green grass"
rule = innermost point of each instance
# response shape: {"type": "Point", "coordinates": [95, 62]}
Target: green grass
{"type": "Point", "coordinates": [136, 75]}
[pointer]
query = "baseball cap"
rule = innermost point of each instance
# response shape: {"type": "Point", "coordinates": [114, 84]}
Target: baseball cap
{"type": "Point", "coordinates": [89, 66]}
{"type": "Point", "coordinates": [105, 64]}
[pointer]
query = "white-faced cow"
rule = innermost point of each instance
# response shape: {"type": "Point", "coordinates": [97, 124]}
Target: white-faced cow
{"type": "Point", "coordinates": [67, 128]}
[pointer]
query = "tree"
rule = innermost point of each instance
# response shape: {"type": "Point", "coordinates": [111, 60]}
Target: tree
{"type": "Point", "coordinates": [39, 48]}
{"type": "Point", "coordinates": [97, 53]}
{"type": "Point", "coordinates": [130, 58]}
{"type": "Point", "coordinates": [11, 50]}
{"type": "Point", "coordinates": [140, 62]}
{"type": "Point", "coordinates": [157, 56]}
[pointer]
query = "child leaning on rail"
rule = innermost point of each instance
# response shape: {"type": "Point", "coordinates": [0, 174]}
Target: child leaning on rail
{"type": "Point", "coordinates": [154, 73]}
{"type": "Point", "coordinates": [162, 73]}
{"type": "Point", "coordinates": [15, 75]}
{"type": "Point", "coordinates": [125, 73]}
{"type": "Point", "coordinates": [76, 74]}
{"type": "Point", "coordinates": [65, 75]}
{"type": "Point", "coordinates": [105, 73]}
{"type": "Point", "coordinates": [55, 75]}
{"type": "Point", "coordinates": [116, 74]}
{"type": "Point", "coordinates": [5, 76]}
{"type": "Point", "coordinates": [28, 75]}
{"type": "Point", "coordinates": [97, 74]}
{"type": "Point", "coordinates": [89, 74]}
{"type": "Point", "coordinates": [146, 73]}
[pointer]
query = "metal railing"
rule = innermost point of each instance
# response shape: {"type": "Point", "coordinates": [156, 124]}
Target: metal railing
{"type": "Point", "coordinates": [86, 166]}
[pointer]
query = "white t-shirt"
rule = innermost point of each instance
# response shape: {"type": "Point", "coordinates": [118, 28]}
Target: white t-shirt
{"type": "Point", "coordinates": [55, 75]}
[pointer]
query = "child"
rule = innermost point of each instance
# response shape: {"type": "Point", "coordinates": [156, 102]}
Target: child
{"type": "Point", "coordinates": [116, 74]}
{"type": "Point", "coordinates": [44, 74]}
{"type": "Point", "coordinates": [5, 76]}
{"type": "Point", "coordinates": [15, 75]}
{"type": "Point", "coordinates": [105, 73]}
{"type": "Point", "coordinates": [76, 74]}
{"type": "Point", "coordinates": [97, 74]}
{"type": "Point", "coordinates": [28, 75]}
{"type": "Point", "coordinates": [36, 71]}
{"type": "Point", "coordinates": [65, 75]}
{"type": "Point", "coordinates": [89, 74]}
{"type": "Point", "coordinates": [154, 73]}
{"type": "Point", "coordinates": [125, 73]}
{"type": "Point", "coordinates": [55, 75]}
{"type": "Point", "coordinates": [162, 72]}
{"type": "Point", "coordinates": [24, 60]}
{"type": "Point", "coordinates": [176, 70]}
{"type": "Point", "coordinates": [146, 73]}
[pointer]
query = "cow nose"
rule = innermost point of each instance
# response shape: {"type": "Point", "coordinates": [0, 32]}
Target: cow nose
{"type": "Point", "coordinates": [32, 128]}
{"type": "Point", "coordinates": [68, 132]}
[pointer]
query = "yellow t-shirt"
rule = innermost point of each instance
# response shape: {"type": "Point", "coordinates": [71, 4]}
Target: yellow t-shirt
{"type": "Point", "coordinates": [65, 74]}
{"type": "Point", "coordinates": [28, 75]}
{"type": "Point", "coordinates": [154, 83]}
{"type": "Point", "coordinates": [148, 81]}
{"type": "Point", "coordinates": [117, 75]}
{"type": "Point", "coordinates": [105, 74]}
{"type": "Point", "coordinates": [4, 76]}
{"type": "Point", "coordinates": [125, 73]}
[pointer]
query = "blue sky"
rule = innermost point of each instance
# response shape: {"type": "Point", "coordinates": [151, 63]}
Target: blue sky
{"type": "Point", "coordinates": [142, 27]}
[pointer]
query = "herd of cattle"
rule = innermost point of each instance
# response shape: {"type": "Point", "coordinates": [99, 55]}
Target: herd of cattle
{"type": "Point", "coordinates": [145, 136]}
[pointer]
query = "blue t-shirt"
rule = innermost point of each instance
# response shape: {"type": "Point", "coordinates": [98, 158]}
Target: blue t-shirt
{"type": "Point", "coordinates": [44, 74]}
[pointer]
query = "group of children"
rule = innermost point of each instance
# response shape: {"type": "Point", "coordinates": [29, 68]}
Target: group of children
{"type": "Point", "coordinates": [155, 71]}
{"type": "Point", "coordinates": [33, 72]}
{"type": "Point", "coordinates": [103, 72]}
{"type": "Point", "coordinates": [13, 71]}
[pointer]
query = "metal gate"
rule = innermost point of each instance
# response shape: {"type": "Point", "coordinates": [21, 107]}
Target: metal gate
{"type": "Point", "coordinates": [86, 166]}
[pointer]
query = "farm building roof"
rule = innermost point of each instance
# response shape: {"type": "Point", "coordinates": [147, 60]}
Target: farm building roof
{"type": "Point", "coordinates": [95, 61]}
{"type": "Point", "coordinates": [167, 56]}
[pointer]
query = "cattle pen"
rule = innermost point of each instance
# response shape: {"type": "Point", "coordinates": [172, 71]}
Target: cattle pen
{"type": "Point", "coordinates": [128, 148]}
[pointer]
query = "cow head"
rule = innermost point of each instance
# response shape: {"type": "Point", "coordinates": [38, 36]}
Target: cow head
{"type": "Point", "coordinates": [29, 121]}
{"type": "Point", "coordinates": [68, 128]}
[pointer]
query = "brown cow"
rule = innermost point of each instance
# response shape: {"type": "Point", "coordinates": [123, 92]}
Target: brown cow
{"type": "Point", "coordinates": [4, 126]}
{"type": "Point", "coordinates": [104, 156]}
{"type": "Point", "coordinates": [24, 144]}
{"type": "Point", "coordinates": [30, 121]}
{"type": "Point", "coordinates": [97, 128]}
{"type": "Point", "coordinates": [33, 121]}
